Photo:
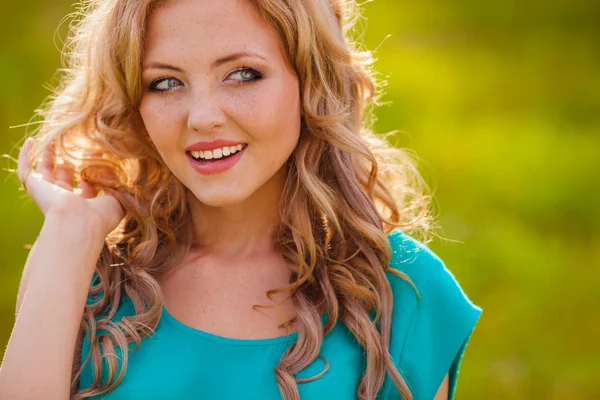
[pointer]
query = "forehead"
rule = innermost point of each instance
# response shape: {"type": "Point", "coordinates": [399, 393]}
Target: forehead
{"type": "Point", "coordinates": [207, 27]}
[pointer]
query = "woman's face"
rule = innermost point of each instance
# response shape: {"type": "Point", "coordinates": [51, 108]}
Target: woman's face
{"type": "Point", "coordinates": [215, 70]}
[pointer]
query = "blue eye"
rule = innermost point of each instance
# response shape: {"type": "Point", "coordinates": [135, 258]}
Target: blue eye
{"type": "Point", "coordinates": [164, 84]}
{"type": "Point", "coordinates": [245, 75]}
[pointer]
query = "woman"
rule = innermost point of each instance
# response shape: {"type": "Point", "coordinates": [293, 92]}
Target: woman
{"type": "Point", "coordinates": [244, 233]}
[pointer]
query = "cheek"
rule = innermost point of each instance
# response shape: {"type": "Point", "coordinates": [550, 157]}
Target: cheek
{"type": "Point", "coordinates": [162, 121]}
{"type": "Point", "coordinates": [274, 115]}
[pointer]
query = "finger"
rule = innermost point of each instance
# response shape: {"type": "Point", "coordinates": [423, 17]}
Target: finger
{"type": "Point", "coordinates": [42, 191]}
{"type": "Point", "coordinates": [63, 175]}
{"type": "Point", "coordinates": [86, 190]}
{"type": "Point", "coordinates": [24, 161]}
{"type": "Point", "coordinates": [46, 164]}
{"type": "Point", "coordinates": [113, 208]}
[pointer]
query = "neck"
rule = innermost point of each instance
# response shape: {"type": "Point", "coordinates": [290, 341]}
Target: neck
{"type": "Point", "coordinates": [241, 230]}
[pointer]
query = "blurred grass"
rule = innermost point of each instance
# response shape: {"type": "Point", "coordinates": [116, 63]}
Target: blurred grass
{"type": "Point", "coordinates": [501, 100]}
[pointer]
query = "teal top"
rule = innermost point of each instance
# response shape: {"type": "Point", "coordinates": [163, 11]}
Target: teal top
{"type": "Point", "coordinates": [428, 340]}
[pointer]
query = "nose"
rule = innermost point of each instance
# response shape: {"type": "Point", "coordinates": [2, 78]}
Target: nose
{"type": "Point", "coordinates": [205, 113]}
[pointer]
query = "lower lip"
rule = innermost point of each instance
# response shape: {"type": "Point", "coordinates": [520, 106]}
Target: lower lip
{"type": "Point", "coordinates": [212, 167]}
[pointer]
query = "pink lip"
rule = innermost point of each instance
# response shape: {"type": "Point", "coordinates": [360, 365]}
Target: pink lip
{"type": "Point", "coordinates": [213, 144]}
{"type": "Point", "coordinates": [212, 167]}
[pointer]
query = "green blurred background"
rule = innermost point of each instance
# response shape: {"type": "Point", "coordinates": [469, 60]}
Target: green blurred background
{"type": "Point", "coordinates": [501, 101]}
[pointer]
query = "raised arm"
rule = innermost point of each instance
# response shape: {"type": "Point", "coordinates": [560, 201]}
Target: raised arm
{"type": "Point", "coordinates": [24, 281]}
{"type": "Point", "coordinates": [39, 357]}
{"type": "Point", "coordinates": [38, 360]}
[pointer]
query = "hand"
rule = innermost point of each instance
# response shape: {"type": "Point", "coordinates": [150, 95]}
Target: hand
{"type": "Point", "coordinates": [50, 186]}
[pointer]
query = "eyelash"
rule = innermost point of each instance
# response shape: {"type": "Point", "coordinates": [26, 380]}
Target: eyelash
{"type": "Point", "coordinates": [257, 75]}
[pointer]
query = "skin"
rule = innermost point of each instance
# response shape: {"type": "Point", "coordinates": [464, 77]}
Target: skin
{"type": "Point", "coordinates": [252, 97]}
{"type": "Point", "coordinates": [442, 393]}
{"type": "Point", "coordinates": [233, 212]}
{"type": "Point", "coordinates": [54, 289]}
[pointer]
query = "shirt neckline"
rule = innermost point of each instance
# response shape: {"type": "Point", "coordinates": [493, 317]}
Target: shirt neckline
{"type": "Point", "coordinates": [290, 338]}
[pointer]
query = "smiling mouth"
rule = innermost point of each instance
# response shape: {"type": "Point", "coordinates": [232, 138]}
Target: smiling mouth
{"type": "Point", "coordinates": [222, 153]}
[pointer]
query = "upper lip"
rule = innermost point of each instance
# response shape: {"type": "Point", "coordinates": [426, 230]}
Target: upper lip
{"type": "Point", "coordinates": [213, 144]}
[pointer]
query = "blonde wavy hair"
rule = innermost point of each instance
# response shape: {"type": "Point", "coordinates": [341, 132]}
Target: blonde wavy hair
{"type": "Point", "coordinates": [346, 188]}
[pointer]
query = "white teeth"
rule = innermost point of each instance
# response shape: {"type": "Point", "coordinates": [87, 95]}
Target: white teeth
{"type": "Point", "coordinates": [217, 153]}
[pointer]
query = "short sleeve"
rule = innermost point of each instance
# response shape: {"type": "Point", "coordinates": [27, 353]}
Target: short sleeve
{"type": "Point", "coordinates": [431, 334]}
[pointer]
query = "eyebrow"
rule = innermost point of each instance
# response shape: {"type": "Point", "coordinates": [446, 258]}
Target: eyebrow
{"type": "Point", "coordinates": [215, 64]}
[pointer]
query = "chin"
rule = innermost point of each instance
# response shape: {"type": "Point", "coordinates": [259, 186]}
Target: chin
{"type": "Point", "coordinates": [219, 199]}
